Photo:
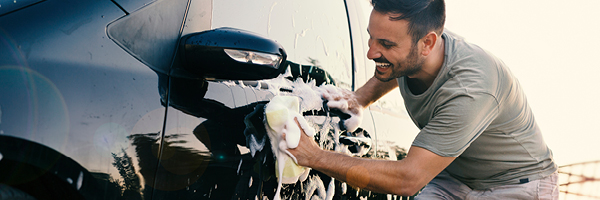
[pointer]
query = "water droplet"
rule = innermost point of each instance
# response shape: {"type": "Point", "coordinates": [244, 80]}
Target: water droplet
{"type": "Point", "coordinates": [80, 180]}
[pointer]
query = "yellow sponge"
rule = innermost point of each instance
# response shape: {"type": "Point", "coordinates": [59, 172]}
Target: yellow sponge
{"type": "Point", "coordinates": [280, 113]}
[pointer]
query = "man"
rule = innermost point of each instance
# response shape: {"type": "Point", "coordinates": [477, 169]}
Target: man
{"type": "Point", "coordinates": [478, 138]}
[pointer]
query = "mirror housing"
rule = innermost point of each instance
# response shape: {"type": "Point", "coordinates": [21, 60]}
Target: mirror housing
{"type": "Point", "coordinates": [232, 54]}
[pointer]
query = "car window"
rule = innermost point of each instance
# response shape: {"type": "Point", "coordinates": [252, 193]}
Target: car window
{"type": "Point", "coordinates": [152, 45]}
{"type": "Point", "coordinates": [313, 32]}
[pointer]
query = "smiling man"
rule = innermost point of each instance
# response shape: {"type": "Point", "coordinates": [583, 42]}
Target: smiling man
{"type": "Point", "coordinates": [478, 138]}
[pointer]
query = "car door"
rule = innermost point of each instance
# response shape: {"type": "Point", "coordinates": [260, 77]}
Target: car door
{"type": "Point", "coordinates": [204, 152]}
{"type": "Point", "coordinates": [72, 103]}
{"type": "Point", "coordinates": [203, 148]}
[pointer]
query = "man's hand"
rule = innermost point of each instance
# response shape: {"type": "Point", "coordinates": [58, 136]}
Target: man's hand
{"type": "Point", "coordinates": [345, 101]}
{"type": "Point", "coordinates": [342, 99]}
{"type": "Point", "coordinates": [353, 103]}
{"type": "Point", "coordinates": [307, 149]}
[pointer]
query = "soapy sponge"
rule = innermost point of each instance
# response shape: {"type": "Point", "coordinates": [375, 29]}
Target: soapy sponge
{"type": "Point", "coordinates": [280, 114]}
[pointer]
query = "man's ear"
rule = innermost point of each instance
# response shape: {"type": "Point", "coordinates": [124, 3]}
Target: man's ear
{"type": "Point", "coordinates": [428, 43]}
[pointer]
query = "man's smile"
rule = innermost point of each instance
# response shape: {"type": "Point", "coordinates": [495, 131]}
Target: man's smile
{"type": "Point", "coordinates": [383, 65]}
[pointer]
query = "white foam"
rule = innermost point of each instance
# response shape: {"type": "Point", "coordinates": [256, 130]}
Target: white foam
{"type": "Point", "coordinates": [255, 145]}
{"type": "Point", "coordinates": [330, 190]}
{"type": "Point", "coordinates": [310, 95]}
{"type": "Point", "coordinates": [338, 98]}
{"type": "Point", "coordinates": [311, 98]}
{"type": "Point", "coordinates": [315, 189]}
{"type": "Point", "coordinates": [229, 83]}
{"type": "Point", "coordinates": [281, 114]}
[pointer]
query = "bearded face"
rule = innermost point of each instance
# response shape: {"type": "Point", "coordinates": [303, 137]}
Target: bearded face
{"type": "Point", "coordinates": [392, 48]}
{"type": "Point", "coordinates": [410, 65]}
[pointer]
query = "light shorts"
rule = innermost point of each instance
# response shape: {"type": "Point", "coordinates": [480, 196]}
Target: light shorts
{"type": "Point", "coordinates": [444, 186]}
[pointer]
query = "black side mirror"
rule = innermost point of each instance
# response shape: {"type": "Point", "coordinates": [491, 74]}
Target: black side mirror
{"type": "Point", "coordinates": [232, 54]}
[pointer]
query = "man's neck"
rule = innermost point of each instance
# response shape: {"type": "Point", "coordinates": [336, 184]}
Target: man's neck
{"type": "Point", "coordinates": [432, 66]}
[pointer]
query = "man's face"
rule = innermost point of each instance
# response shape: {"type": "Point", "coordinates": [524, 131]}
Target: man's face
{"type": "Point", "coordinates": [391, 47]}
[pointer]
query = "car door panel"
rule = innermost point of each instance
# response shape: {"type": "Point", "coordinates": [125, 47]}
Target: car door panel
{"type": "Point", "coordinates": [67, 88]}
{"type": "Point", "coordinates": [100, 86]}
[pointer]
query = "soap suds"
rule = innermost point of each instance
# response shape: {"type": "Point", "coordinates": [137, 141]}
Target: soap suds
{"type": "Point", "coordinates": [309, 97]}
{"type": "Point", "coordinates": [315, 189]}
{"type": "Point", "coordinates": [338, 98]}
{"type": "Point", "coordinates": [281, 115]}
{"type": "Point", "coordinates": [255, 145]}
{"type": "Point", "coordinates": [312, 98]}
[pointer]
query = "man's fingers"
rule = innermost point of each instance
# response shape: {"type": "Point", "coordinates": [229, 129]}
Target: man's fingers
{"type": "Point", "coordinates": [299, 126]}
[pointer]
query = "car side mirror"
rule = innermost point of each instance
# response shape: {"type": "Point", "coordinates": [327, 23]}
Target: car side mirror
{"type": "Point", "coordinates": [231, 54]}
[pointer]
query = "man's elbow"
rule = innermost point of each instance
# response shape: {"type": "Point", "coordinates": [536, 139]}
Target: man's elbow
{"type": "Point", "coordinates": [407, 188]}
{"type": "Point", "coordinates": [407, 191]}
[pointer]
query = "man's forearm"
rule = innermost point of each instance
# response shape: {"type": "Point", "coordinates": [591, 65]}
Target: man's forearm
{"type": "Point", "coordinates": [372, 90]}
{"type": "Point", "coordinates": [403, 177]}
{"type": "Point", "coordinates": [382, 176]}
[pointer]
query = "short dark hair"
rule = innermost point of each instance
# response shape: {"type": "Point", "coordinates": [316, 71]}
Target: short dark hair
{"type": "Point", "coordinates": [423, 16]}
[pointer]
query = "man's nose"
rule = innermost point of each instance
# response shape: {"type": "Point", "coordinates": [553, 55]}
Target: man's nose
{"type": "Point", "coordinates": [373, 52]}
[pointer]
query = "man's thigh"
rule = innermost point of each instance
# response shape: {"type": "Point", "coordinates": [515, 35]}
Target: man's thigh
{"type": "Point", "coordinates": [542, 189]}
{"type": "Point", "coordinates": [444, 186]}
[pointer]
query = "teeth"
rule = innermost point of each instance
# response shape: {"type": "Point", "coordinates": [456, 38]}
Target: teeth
{"type": "Point", "coordinates": [383, 65]}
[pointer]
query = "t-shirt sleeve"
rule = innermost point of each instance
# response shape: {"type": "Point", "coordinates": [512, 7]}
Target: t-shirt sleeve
{"type": "Point", "coordinates": [456, 123]}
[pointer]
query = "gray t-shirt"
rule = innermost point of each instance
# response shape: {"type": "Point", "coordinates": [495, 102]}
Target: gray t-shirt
{"type": "Point", "coordinates": [476, 111]}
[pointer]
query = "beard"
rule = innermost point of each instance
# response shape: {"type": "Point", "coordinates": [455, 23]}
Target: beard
{"type": "Point", "coordinates": [411, 65]}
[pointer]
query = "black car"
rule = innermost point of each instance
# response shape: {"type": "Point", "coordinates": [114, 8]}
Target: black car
{"type": "Point", "coordinates": [122, 99]}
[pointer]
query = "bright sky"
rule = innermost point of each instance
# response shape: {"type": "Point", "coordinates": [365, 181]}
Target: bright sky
{"type": "Point", "coordinates": [551, 47]}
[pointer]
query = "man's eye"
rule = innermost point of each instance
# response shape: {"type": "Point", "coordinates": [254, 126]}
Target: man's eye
{"type": "Point", "coordinates": [387, 46]}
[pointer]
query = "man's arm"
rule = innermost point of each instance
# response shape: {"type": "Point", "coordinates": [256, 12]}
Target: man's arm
{"type": "Point", "coordinates": [404, 177]}
{"type": "Point", "coordinates": [353, 103]}
{"type": "Point", "coordinates": [372, 90]}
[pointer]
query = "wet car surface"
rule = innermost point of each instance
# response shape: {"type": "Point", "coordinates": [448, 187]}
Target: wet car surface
{"type": "Point", "coordinates": [104, 100]}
